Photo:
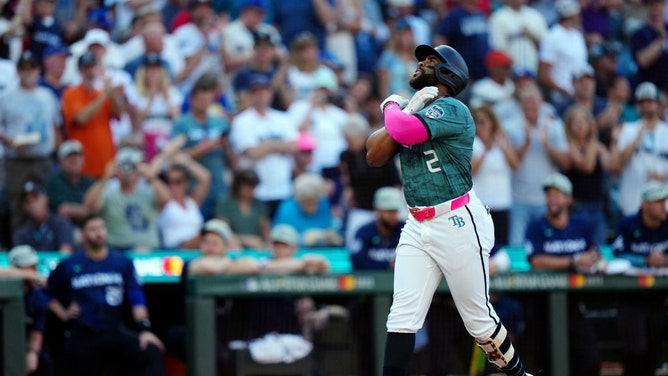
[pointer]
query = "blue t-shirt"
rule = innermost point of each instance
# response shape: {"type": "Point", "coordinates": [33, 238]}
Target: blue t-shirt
{"type": "Point", "coordinates": [100, 288]}
{"type": "Point", "coordinates": [635, 242]}
{"type": "Point", "coordinates": [467, 33]}
{"type": "Point", "coordinates": [544, 239]}
{"type": "Point", "coordinates": [295, 17]}
{"type": "Point", "coordinates": [373, 251]}
{"type": "Point", "coordinates": [49, 236]}
{"type": "Point", "coordinates": [289, 212]}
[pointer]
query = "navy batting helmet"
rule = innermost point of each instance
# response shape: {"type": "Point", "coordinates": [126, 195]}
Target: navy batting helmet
{"type": "Point", "coordinates": [451, 71]}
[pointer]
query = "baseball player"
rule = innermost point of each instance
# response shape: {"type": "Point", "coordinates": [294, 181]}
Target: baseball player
{"type": "Point", "coordinates": [449, 231]}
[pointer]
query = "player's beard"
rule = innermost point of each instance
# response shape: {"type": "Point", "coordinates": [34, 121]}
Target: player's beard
{"type": "Point", "coordinates": [423, 80]}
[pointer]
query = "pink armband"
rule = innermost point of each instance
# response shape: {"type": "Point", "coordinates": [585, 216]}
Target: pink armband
{"type": "Point", "coordinates": [404, 128]}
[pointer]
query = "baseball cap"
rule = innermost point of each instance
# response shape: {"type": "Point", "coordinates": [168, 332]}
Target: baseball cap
{"type": "Point", "coordinates": [524, 72]}
{"type": "Point", "coordinates": [96, 36]}
{"type": "Point", "coordinates": [496, 58]}
{"type": "Point", "coordinates": [247, 176]}
{"type": "Point", "coordinates": [153, 58]}
{"type": "Point", "coordinates": [402, 24]}
{"type": "Point", "coordinates": [196, 3]}
{"type": "Point", "coordinates": [256, 4]}
{"type": "Point", "coordinates": [654, 190]}
{"type": "Point", "coordinates": [558, 181]}
{"type": "Point", "coordinates": [262, 38]}
{"type": "Point", "coordinates": [27, 60]}
{"type": "Point", "coordinates": [388, 198]}
{"type": "Point", "coordinates": [567, 8]}
{"type": "Point", "coordinates": [647, 90]}
{"type": "Point", "coordinates": [56, 50]}
{"type": "Point", "coordinates": [87, 59]}
{"type": "Point", "coordinates": [22, 256]}
{"type": "Point", "coordinates": [284, 234]}
{"type": "Point", "coordinates": [400, 3]}
{"type": "Point", "coordinates": [583, 71]}
{"type": "Point", "coordinates": [218, 227]}
{"type": "Point", "coordinates": [31, 187]}
{"type": "Point", "coordinates": [129, 155]}
{"type": "Point", "coordinates": [305, 141]}
{"type": "Point", "coordinates": [325, 78]}
{"type": "Point", "coordinates": [69, 147]}
{"type": "Point", "coordinates": [259, 80]}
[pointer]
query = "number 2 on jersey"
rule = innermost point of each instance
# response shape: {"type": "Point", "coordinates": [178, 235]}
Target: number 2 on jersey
{"type": "Point", "coordinates": [432, 164]}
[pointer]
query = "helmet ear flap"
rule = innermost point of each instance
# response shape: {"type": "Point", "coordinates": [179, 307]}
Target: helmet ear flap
{"type": "Point", "coordinates": [446, 77]}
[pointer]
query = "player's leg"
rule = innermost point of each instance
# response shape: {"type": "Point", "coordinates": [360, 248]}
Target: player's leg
{"type": "Point", "coordinates": [416, 277]}
{"type": "Point", "coordinates": [124, 345]}
{"type": "Point", "coordinates": [462, 247]}
{"type": "Point", "coordinates": [85, 353]}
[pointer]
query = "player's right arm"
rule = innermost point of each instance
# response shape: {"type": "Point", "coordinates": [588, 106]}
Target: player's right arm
{"type": "Point", "coordinates": [380, 147]}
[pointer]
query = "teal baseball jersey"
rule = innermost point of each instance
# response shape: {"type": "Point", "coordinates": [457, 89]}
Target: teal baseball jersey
{"type": "Point", "coordinates": [439, 169]}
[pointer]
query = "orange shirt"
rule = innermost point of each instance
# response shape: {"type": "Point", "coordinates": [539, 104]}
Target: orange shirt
{"type": "Point", "coordinates": [95, 135]}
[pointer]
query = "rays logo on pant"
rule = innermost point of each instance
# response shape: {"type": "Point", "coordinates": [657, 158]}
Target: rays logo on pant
{"type": "Point", "coordinates": [457, 221]}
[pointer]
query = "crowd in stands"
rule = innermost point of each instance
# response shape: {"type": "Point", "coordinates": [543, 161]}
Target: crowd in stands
{"type": "Point", "coordinates": [160, 116]}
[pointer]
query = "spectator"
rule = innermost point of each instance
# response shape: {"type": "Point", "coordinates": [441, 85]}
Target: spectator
{"type": "Point", "coordinates": [604, 59]}
{"type": "Point", "coordinates": [130, 208]}
{"type": "Point", "coordinates": [589, 164]}
{"type": "Point", "coordinates": [406, 9]}
{"type": "Point", "coordinates": [540, 144]}
{"type": "Point", "coordinates": [309, 211]}
{"type": "Point", "coordinates": [265, 139]}
{"type": "Point", "coordinates": [295, 17]}
{"type": "Point", "coordinates": [516, 29]}
{"type": "Point", "coordinates": [465, 29]}
{"type": "Point", "coordinates": [375, 242]}
{"type": "Point", "coordinates": [153, 40]}
{"type": "Point", "coordinates": [181, 220]}
{"type": "Point", "coordinates": [23, 259]}
{"type": "Point", "coordinates": [641, 239]}
{"type": "Point", "coordinates": [207, 138]}
{"type": "Point", "coordinates": [42, 230]}
{"type": "Point", "coordinates": [584, 93]}
{"type": "Point", "coordinates": [639, 153]}
{"type": "Point", "coordinates": [284, 245]}
{"type": "Point", "coordinates": [99, 283]}
{"type": "Point", "coordinates": [562, 50]}
{"type": "Point", "coordinates": [9, 78]}
{"type": "Point", "coordinates": [306, 65]}
{"type": "Point", "coordinates": [269, 62]}
{"type": "Point", "coordinates": [29, 121]}
{"type": "Point", "coordinates": [157, 104]}
{"type": "Point", "coordinates": [303, 157]}
{"type": "Point", "coordinates": [44, 31]}
{"type": "Point", "coordinates": [361, 181]}
{"type": "Point", "coordinates": [238, 36]}
{"type": "Point", "coordinates": [247, 216]}
{"type": "Point", "coordinates": [107, 52]}
{"type": "Point", "coordinates": [67, 187]}
{"type": "Point", "coordinates": [319, 116]}
{"type": "Point", "coordinates": [559, 241]}
{"type": "Point", "coordinates": [397, 61]}
{"type": "Point", "coordinates": [493, 163]}
{"type": "Point", "coordinates": [648, 45]}
{"type": "Point", "coordinates": [87, 113]}
{"type": "Point", "coordinates": [618, 94]}
{"type": "Point", "coordinates": [198, 41]}
{"type": "Point", "coordinates": [53, 67]}
{"type": "Point", "coordinates": [497, 86]}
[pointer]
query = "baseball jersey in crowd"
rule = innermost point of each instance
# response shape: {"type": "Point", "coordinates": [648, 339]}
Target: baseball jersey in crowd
{"type": "Point", "coordinates": [544, 239]}
{"type": "Point", "coordinates": [373, 251]}
{"type": "Point", "coordinates": [493, 180]}
{"type": "Point", "coordinates": [49, 236]}
{"type": "Point", "coordinates": [99, 288]}
{"type": "Point", "coordinates": [190, 41]}
{"type": "Point", "coordinates": [289, 212]}
{"type": "Point", "coordinates": [214, 128]}
{"type": "Point", "coordinates": [29, 112]}
{"type": "Point", "coordinates": [95, 136]}
{"type": "Point", "coordinates": [446, 173]}
{"type": "Point", "coordinates": [655, 72]}
{"type": "Point", "coordinates": [35, 302]}
{"type": "Point", "coordinates": [44, 32]}
{"type": "Point", "coordinates": [132, 219]}
{"type": "Point", "coordinates": [536, 165]}
{"type": "Point", "coordinates": [294, 17]}
{"type": "Point", "coordinates": [467, 33]}
{"type": "Point", "coordinates": [179, 223]}
{"type": "Point", "coordinates": [241, 222]}
{"type": "Point", "coordinates": [651, 156]}
{"type": "Point", "coordinates": [635, 242]}
{"type": "Point", "coordinates": [326, 129]}
{"type": "Point", "coordinates": [250, 129]}
{"type": "Point", "coordinates": [565, 50]}
{"type": "Point", "coordinates": [61, 190]}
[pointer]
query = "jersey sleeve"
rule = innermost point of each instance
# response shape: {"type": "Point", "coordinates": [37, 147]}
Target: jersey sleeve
{"type": "Point", "coordinates": [534, 240]}
{"type": "Point", "coordinates": [135, 293]}
{"type": "Point", "coordinates": [446, 117]}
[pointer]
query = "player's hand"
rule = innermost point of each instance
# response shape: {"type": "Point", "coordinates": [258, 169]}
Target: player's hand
{"type": "Point", "coordinates": [72, 312]}
{"type": "Point", "coordinates": [656, 260]}
{"type": "Point", "coordinates": [420, 99]}
{"type": "Point", "coordinates": [146, 338]}
{"type": "Point", "coordinates": [32, 361]}
{"type": "Point", "coordinates": [394, 98]}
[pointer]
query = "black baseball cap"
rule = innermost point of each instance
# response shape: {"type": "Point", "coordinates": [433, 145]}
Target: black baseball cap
{"type": "Point", "coordinates": [153, 59]}
{"type": "Point", "coordinates": [87, 60]}
{"type": "Point", "coordinates": [27, 60]}
{"type": "Point", "coordinates": [31, 187]}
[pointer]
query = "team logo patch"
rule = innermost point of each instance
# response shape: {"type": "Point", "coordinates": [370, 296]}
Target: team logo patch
{"type": "Point", "coordinates": [435, 112]}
